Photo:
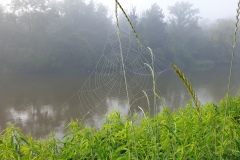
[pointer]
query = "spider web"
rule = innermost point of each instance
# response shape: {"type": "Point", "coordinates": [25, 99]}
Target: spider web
{"type": "Point", "coordinates": [106, 84]}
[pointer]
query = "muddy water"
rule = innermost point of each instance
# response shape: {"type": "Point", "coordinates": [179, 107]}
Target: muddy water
{"type": "Point", "coordinates": [40, 104]}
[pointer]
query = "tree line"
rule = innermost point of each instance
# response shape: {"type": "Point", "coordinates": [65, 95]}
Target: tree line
{"type": "Point", "coordinates": [69, 35]}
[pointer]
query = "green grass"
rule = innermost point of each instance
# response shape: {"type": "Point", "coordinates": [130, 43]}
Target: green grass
{"type": "Point", "coordinates": [169, 135]}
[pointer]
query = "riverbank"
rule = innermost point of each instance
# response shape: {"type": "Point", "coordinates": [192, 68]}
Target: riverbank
{"type": "Point", "coordinates": [212, 133]}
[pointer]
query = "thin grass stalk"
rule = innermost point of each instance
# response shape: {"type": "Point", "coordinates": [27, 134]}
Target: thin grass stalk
{"type": "Point", "coordinates": [231, 67]}
{"type": "Point", "coordinates": [154, 96]}
{"type": "Point", "coordinates": [194, 97]}
{"type": "Point", "coordinates": [148, 102]}
{"type": "Point", "coordinates": [152, 57]}
{"type": "Point", "coordinates": [123, 65]}
{"type": "Point", "coordinates": [121, 54]}
{"type": "Point", "coordinates": [130, 23]}
{"type": "Point", "coordinates": [154, 81]}
{"type": "Point", "coordinates": [234, 46]}
{"type": "Point", "coordinates": [188, 86]}
{"type": "Point", "coordinates": [142, 111]}
{"type": "Point", "coordinates": [149, 126]}
{"type": "Point", "coordinates": [153, 75]}
{"type": "Point", "coordinates": [139, 43]}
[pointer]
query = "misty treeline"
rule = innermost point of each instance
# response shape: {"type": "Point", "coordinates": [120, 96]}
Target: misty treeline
{"type": "Point", "coordinates": [69, 35]}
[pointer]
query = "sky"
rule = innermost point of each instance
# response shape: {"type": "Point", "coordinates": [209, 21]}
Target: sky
{"type": "Point", "coordinates": [209, 9]}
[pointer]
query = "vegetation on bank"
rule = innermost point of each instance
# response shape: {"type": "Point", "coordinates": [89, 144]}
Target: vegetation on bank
{"type": "Point", "coordinates": [182, 134]}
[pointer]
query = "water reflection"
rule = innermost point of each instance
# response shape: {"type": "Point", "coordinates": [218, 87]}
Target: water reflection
{"type": "Point", "coordinates": [34, 103]}
{"type": "Point", "coordinates": [34, 119]}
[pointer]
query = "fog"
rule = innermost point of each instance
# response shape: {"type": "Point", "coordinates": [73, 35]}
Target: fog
{"type": "Point", "coordinates": [48, 49]}
{"type": "Point", "coordinates": [69, 35]}
{"type": "Point", "coordinates": [209, 9]}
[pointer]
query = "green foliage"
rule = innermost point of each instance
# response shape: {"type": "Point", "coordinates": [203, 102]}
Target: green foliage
{"type": "Point", "coordinates": [168, 135]}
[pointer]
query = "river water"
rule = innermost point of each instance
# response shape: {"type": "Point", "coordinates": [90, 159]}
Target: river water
{"type": "Point", "coordinates": [40, 104]}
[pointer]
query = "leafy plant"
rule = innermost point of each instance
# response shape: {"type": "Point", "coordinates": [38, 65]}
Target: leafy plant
{"type": "Point", "coordinates": [180, 136]}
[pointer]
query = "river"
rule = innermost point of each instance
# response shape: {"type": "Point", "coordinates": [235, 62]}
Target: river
{"type": "Point", "coordinates": [43, 103]}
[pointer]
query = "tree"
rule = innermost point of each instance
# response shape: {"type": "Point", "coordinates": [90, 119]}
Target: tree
{"type": "Point", "coordinates": [133, 17]}
{"type": "Point", "coordinates": [32, 13]}
{"type": "Point", "coordinates": [73, 10]}
{"type": "Point", "coordinates": [51, 36]}
{"type": "Point", "coordinates": [83, 29]}
{"type": "Point", "coordinates": [152, 26]}
{"type": "Point", "coordinates": [123, 22]}
{"type": "Point", "coordinates": [220, 41]}
{"type": "Point", "coordinates": [183, 33]}
{"type": "Point", "coordinates": [183, 16]}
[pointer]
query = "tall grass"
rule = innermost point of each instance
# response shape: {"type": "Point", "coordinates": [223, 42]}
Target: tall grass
{"type": "Point", "coordinates": [180, 137]}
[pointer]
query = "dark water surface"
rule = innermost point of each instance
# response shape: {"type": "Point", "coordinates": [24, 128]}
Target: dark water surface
{"type": "Point", "coordinates": [40, 104]}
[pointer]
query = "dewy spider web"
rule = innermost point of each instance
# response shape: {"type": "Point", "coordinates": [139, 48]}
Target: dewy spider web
{"type": "Point", "coordinates": [106, 82]}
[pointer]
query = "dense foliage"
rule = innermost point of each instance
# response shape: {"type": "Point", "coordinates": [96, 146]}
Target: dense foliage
{"type": "Point", "coordinates": [50, 36]}
{"type": "Point", "coordinates": [185, 133]}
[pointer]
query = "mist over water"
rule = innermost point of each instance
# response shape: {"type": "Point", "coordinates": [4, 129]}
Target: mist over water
{"type": "Point", "coordinates": [32, 102]}
{"type": "Point", "coordinates": [62, 60]}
